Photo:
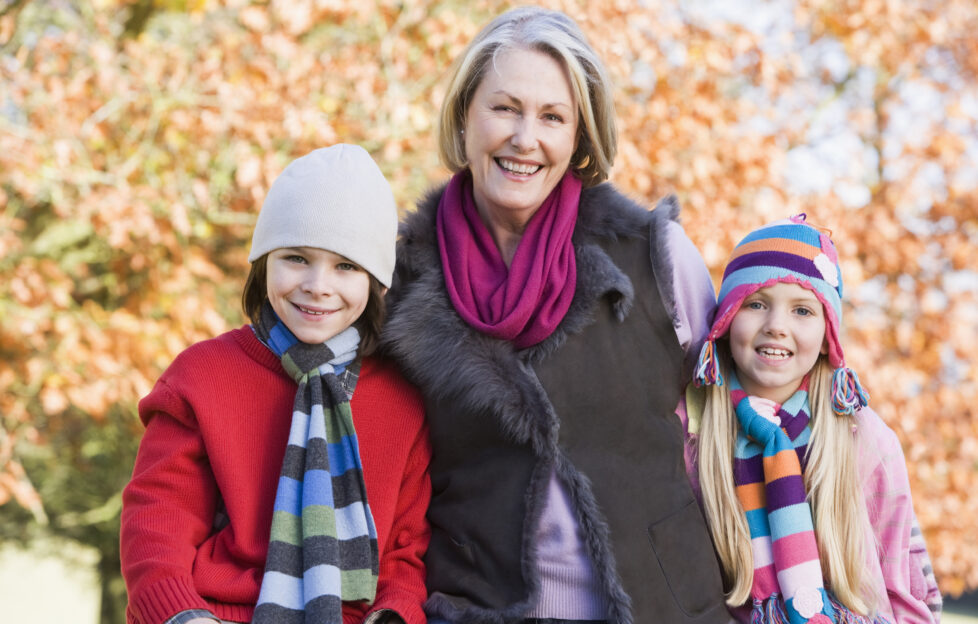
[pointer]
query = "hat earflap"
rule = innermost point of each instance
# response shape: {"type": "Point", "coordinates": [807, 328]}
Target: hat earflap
{"type": "Point", "coordinates": [847, 393]}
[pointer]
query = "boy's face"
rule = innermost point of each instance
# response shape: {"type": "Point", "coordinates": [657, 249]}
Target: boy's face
{"type": "Point", "coordinates": [775, 339]}
{"type": "Point", "coordinates": [316, 293]}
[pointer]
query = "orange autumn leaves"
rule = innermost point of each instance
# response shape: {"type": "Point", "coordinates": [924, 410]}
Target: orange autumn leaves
{"type": "Point", "coordinates": [132, 167]}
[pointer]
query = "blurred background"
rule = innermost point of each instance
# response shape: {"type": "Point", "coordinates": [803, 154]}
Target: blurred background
{"type": "Point", "coordinates": [138, 138]}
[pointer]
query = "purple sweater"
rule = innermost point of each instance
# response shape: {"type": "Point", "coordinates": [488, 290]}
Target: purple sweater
{"type": "Point", "coordinates": [569, 587]}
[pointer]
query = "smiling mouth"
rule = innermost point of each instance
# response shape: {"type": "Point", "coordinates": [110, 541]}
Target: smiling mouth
{"type": "Point", "coordinates": [518, 168]}
{"type": "Point", "coordinates": [308, 311]}
{"type": "Point", "coordinates": [774, 354]}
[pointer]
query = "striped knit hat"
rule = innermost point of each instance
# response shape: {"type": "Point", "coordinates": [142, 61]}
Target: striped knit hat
{"type": "Point", "coordinates": [793, 251]}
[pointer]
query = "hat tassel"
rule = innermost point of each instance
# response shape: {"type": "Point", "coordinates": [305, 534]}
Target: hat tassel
{"type": "Point", "coordinates": [708, 367]}
{"type": "Point", "coordinates": [847, 393]}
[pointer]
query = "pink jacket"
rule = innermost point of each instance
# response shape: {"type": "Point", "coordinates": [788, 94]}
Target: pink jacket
{"type": "Point", "coordinates": [900, 565]}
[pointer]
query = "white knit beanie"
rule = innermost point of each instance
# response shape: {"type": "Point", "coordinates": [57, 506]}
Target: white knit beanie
{"type": "Point", "coordinates": [333, 198]}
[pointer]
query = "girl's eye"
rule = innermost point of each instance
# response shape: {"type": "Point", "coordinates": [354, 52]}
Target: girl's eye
{"type": "Point", "coordinates": [347, 266]}
{"type": "Point", "coordinates": [754, 305]}
{"type": "Point", "coordinates": [804, 312]}
{"type": "Point", "coordinates": [295, 258]}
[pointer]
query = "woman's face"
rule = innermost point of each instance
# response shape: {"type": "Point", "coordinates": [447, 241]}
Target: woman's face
{"type": "Point", "coordinates": [520, 134]}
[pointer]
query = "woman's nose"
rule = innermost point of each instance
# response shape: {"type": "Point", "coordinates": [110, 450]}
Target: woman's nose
{"type": "Point", "coordinates": [524, 135]}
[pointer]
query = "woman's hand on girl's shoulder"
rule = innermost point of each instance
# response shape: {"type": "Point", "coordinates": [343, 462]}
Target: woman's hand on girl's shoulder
{"type": "Point", "coordinates": [195, 620]}
{"type": "Point", "coordinates": [384, 616]}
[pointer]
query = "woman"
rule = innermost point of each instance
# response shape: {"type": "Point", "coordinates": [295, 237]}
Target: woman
{"type": "Point", "coordinates": [551, 352]}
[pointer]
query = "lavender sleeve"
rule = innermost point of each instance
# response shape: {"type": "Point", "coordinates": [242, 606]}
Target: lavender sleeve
{"type": "Point", "coordinates": [693, 295]}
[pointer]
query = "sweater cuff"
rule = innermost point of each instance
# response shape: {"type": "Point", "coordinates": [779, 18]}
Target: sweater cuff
{"type": "Point", "coordinates": [407, 607]}
{"type": "Point", "coordinates": [163, 599]}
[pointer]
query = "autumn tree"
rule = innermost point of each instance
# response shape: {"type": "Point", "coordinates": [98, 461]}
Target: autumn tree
{"type": "Point", "coordinates": [137, 140]}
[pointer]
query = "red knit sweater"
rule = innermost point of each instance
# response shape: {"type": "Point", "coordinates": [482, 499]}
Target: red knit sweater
{"type": "Point", "coordinates": [217, 424]}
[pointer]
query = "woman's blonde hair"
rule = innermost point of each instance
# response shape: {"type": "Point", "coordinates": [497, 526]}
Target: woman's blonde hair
{"type": "Point", "coordinates": [554, 34]}
{"type": "Point", "coordinates": [831, 480]}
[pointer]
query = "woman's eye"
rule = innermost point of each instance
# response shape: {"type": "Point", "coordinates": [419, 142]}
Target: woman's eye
{"type": "Point", "coordinates": [553, 117]}
{"type": "Point", "coordinates": [347, 266]}
{"type": "Point", "coordinates": [295, 258]}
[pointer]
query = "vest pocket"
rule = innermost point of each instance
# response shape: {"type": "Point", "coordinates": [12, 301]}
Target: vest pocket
{"type": "Point", "coordinates": [448, 559]}
{"type": "Point", "coordinates": [682, 545]}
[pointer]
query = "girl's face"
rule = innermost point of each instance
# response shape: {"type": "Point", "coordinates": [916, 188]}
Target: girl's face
{"type": "Point", "coordinates": [776, 338]}
{"type": "Point", "coordinates": [316, 293]}
{"type": "Point", "coordinates": [520, 133]}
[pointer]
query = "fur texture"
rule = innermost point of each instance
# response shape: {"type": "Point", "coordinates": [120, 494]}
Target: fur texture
{"type": "Point", "coordinates": [451, 361]}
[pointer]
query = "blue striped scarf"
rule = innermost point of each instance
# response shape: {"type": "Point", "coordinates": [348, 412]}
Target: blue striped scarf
{"type": "Point", "coordinates": [323, 545]}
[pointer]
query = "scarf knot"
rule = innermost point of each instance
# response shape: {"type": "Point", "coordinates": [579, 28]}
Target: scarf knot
{"type": "Point", "coordinates": [525, 302]}
{"type": "Point", "coordinates": [322, 549]}
{"type": "Point", "coordinates": [304, 362]}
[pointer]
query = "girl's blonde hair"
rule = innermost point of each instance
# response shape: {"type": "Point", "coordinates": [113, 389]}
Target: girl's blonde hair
{"type": "Point", "coordinates": [554, 34]}
{"type": "Point", "coordinates": [831, 479]}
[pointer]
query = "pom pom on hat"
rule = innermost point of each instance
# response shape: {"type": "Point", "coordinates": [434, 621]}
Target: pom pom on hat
{"type": "Point", "coordinates": [789, 250]}
{"type": "Point", "coordinates": [333, 198]}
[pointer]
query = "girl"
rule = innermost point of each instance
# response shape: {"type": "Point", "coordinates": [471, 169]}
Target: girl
{"type": "Point", "coordinates": [283, 473]}
{"type": "Point", "coordinates": [805, 488]}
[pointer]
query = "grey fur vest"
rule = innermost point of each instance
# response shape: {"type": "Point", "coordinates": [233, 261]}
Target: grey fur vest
{"type": "Point", "coordinates": [593, 402]}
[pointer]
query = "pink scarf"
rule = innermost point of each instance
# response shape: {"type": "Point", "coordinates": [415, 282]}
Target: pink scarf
{"type": "Point", "coordinates": [526, 302]}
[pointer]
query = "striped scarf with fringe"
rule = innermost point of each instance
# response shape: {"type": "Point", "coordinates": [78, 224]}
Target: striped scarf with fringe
{"type": "Point", "coordinates": [769, 456]}
{"type": "Point", "coordinates": [323, 544]}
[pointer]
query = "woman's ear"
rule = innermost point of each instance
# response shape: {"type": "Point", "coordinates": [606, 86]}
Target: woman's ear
{"type": "Point", "coordinates": [825, 347]}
